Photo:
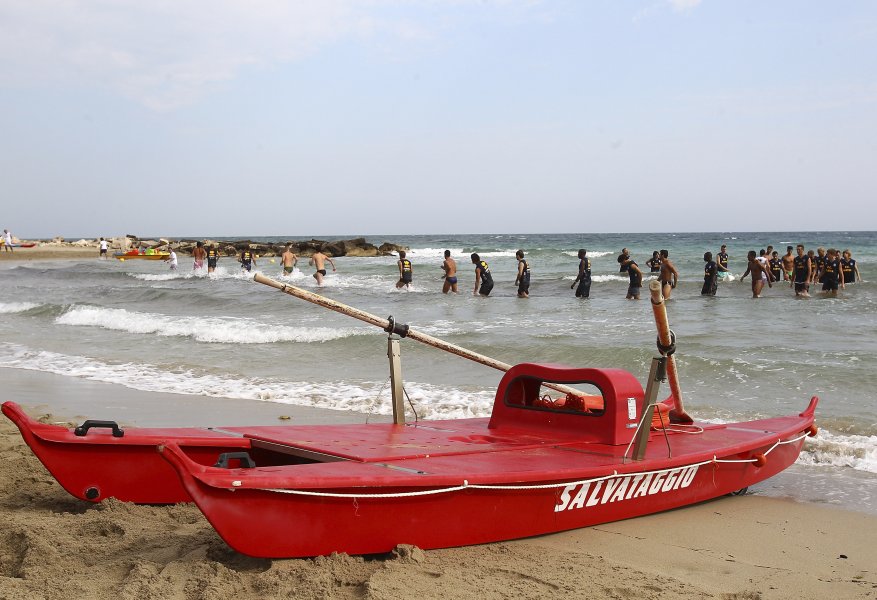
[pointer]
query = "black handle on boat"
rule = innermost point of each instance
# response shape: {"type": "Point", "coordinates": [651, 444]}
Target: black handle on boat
{"type": "Point", "coordinates": [242, 457]}
{"type": "Point", "coordinates": [386, 325]}
{"type": "Point", "coordinates": [90, 424]}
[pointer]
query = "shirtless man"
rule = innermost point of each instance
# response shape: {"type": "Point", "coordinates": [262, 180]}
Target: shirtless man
{"type": "Point", "coordinates": [449, 266]}
{"type": "Point", "coordinates": [789, 266]}
{"type": "Point", "coordinates": [319, 261]}
{"type": "Point", "coordinates": [766, 274]}
{"type": "Point", "coordinates": [669, 276]}
{"type": "Point", "coordinates": [759, 274]}
{"type": "Point", "coordinates": [198, 254]}
{"type": "Point", "coordinates": [288, 260]}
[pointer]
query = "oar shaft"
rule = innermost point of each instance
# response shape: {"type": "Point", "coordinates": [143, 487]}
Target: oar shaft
{"type": "Point", "coordinates": [660, 310]}
{"type": "Point", "coordinates": [385, 323]}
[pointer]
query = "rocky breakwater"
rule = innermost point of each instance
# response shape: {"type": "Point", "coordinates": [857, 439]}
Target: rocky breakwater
{"type": "Point", "coordinates": [351, 247]}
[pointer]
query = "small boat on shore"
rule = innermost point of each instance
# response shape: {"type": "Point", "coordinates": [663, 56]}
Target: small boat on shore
{"type": "Point", "coordinates": [563, 448]}
{"type": "Point", "coordinates": [141, 255]}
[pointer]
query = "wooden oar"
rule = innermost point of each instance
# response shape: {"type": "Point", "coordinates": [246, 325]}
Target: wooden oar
{"type": "Point", "coordinates": [678, 414]}
{"type": "Point", "coordinates": [385, 325]}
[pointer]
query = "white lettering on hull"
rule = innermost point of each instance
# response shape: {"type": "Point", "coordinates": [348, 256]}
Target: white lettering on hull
{"type": "Point", "coordinates": [624, 487]}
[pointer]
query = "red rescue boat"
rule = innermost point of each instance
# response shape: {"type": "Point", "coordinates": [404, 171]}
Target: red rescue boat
{"type": "Point", "coordinates": [541, 463]}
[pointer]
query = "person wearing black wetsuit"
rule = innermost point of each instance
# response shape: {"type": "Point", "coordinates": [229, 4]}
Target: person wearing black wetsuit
{"type": "Point", "coordinates": [710, 275]}
{"type": "Point", "coordinates": [584, 276]}
{"type": "Point", "coordinates": [636, 279]}
{"type": "Point", "coordinates": [482, 276]}
{"type": "Point", "coordinates": [801, 272]}
{"type": "Point", "coordinates": [654, 263]}
{"type": "Point", "coordinates": [832, 275]}
{"type": "Point", "coordinates": [523, 278]}
{"type": "Point", "coordinates": [818, 264]}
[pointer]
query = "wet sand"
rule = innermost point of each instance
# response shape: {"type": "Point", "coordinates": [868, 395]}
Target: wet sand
{"type": "Point", "coordinates": [54, 546]}
{"type": "Point", "coordinates": [50, 253]}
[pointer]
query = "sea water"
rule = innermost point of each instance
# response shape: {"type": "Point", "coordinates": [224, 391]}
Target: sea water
{"type": "Point", "coordinates": [137, 324]}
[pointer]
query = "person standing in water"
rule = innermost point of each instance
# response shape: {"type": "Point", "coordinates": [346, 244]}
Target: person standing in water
{"type": "Point", "coordinates": [104, 246]}
{"type": "Point", "coordinates": [482, 276]}
{"type": "Point", "coordinates": [288, 260]}
{"type": "Point", "coordinates": [832, 273]}
{"type": "Point", "coordinates": [636, 279]}
{"type": "Point", "coordinates": [584, 276]}
{"type": "Point", "coordinates": [788, 265]}
{"type": "Point", "coordinates": [212, 258]}
{"type": "Point", "coordinates": [759, 273]}
{"type": "Point", "coordinates": [669, 276]}
{"type": "Point", "coordinates": [198, 255]}
{"type": "Point", "coordinates": [449, 266]}
{"type": "Point", "coordinates": [622, 260]}
{"type": "Point", "coordinates": [849, 267]}
{"type": "Point", "coordinates": [802, 272]}
{"type": "Point", "coordinates": [710, 275]}
{"type": "Point", "coordinates": [318, 260]}
{"type": "Point", "coordinates": [654, 263]}
{"type": "Point", "coordinates": [776, 266]}
{"type": "Point", "coordinates": [406, 271]}
{"type": "Point", "coordinates": [722, 262]}
{"type": "Point", "coordinates": [523, 278]}
{"type": "Point", "coordinates": [171, 258]}
{"type": "Point", "coordinates": [247, 259]}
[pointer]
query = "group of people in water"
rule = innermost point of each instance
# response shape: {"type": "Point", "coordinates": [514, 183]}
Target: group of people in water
{"type": "Point", "coordinates": [832, 268]}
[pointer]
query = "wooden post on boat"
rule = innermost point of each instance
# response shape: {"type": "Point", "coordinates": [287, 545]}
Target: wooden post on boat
{"type": "Point", "coordinates": [394, 353]}
{"type": "Point", "coordinates": [391, 327]}
{"type": "Point", "coordinates": [667, 346]}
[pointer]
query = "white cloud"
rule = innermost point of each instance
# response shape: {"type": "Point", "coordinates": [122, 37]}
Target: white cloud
{"type": "Point", "coordinates": [168, 53]}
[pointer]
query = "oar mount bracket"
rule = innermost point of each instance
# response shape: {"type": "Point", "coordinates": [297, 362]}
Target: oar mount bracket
{"type": "Point", "coordinates": [669, 349]}
{"type": "Point", "coordinates": [393, 327]}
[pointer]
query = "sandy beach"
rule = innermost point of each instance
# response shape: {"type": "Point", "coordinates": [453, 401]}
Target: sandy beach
{"type": "Point", "coordinates": [54, 546]}
{"type": "Point", "coordinates": [48, 252]}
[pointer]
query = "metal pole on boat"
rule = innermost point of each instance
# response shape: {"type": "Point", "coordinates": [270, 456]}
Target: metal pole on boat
{"type": "Point", "coordinates": [656, 376]}
{"type": "Point", "coordinates": [667, 346]}
{"type": "Point", "coordinates": [394, 353]}
{"type": "Point", "coordinates": [399, 329]}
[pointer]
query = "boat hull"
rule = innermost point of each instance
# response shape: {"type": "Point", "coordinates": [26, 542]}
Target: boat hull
{"type": "Point", "coordinates": [156, 256]}
{"type": "Point", "coordinates": [278, 524]}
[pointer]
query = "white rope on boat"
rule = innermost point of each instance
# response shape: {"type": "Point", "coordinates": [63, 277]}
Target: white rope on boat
{"type": "Point", "coordinates": [466, 485]}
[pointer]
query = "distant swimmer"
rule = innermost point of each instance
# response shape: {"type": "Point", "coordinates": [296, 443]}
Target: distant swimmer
{"type": "Point", "coordinates": [584, 276]}
{"type": "Point", "coordinates": [849, 267]}
{"type": "Point", "coordinates": [789, 265]}
{"type": "Point", "coordinates": [636, 279]}
{"type": "Point", "coordinates": [759, 273]}
{"type": "Point", "coordinates": [523, 278]}
{"type": "Point", "coordinates": [710, 275]}
{"type": "Point", "coordinates": [7, 241]}
{"type": "Point", "coordinates": [832, 274]}
{"type": "Point", "coordinates": [669, 276]}
{"type": "Point", "coordinates": [171, 258]}
{"type": "Point", "coordinates": [482, 276]}
{"type": "Point", "coordinates": [212, 258]}
{"type": "Point", "coordinates": [318, 260]}
{"type": "Point", "coordinates": [802, 272]}
{"type": "Point", "coordinates": [776, 266]}
{"type": "Point", "coordinates": [449, 266]}
{"type": "Point", "coordinates": [722, 262]}
{"type": "Point", "coordinates": [199, 254]}
{"type": "Point", "coordinates": [654, 263]}
{"type": "Point", "coordinates": [288, 260]}
{"type": "Point", "coordinates": [406, 271]}
{"type": "Point", "coordinates": [247, 259]}
{"type": "Point", "coordinates": [622, 260]}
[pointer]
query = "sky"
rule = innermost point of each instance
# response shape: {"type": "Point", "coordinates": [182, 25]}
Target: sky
{"type": "Point", "coordinates": [308, 118]}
